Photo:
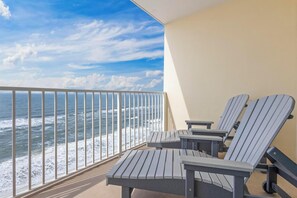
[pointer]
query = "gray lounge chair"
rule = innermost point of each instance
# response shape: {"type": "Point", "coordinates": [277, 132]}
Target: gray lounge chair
{"type": "Point", "coordinates": [163, 170]}
{"type": "Point", "coordinates": [226, 123]}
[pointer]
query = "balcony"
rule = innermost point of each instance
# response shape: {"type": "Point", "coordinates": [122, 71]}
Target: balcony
{"type": "Point", "coordinates": [61, 142]}
{"type": "Point", "coordinates": [59, 146]}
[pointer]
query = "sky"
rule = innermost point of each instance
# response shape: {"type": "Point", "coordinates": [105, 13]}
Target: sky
{"type": "Point", "coordinates": [87, 44]}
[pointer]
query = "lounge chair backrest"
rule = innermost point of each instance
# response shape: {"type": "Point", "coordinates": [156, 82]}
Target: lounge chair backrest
{"type": "Point", "coordinates": [232, 112]}
{"type": "Point", "coordinates": [259, 126]}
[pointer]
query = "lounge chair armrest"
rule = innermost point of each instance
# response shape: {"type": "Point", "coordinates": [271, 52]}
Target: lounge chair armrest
{"type": "Point", "coordinates": [190, 123]}
{"type": "Point", "coordinates": [239, 170]}
{"type": "Point", "coordinates": [212, 132]}
{"type": "Point", "coordinates": [193, 142]}
{"type": "Point", "coordinates": [201, 137]}
{"type": "Point", "coordinates": [214, 165]}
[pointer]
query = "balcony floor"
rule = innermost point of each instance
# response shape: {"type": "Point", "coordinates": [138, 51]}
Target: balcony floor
{"type": "Point", "coordinates": [92, 184]}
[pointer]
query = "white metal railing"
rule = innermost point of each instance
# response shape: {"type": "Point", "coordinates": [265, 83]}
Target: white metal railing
{"type": "Point", "coordinates": [52, 133]}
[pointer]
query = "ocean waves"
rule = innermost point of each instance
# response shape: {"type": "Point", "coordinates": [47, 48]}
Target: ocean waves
{"type": "Point", "coordinates": [22, 169]}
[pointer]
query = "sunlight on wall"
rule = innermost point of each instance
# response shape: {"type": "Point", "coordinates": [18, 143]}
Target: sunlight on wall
{"type": "Point", "coordinates": [237, 47]}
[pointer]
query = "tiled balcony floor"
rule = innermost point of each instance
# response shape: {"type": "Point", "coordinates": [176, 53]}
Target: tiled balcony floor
{"type": "Point", "coordinates": [92, 184]}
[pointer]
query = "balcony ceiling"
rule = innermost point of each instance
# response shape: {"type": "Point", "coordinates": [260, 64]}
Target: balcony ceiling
{"type": "Point", "coordinates": [166, 11]}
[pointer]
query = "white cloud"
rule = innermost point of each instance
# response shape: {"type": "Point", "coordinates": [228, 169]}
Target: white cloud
{"type": "Point", "coordinates": [80, 67]}
{"type": "Point", "coordinates": [153, 73]}
{"type": "Point", "coordinates": [92, 81]}
{"type": "Point", "coordinates": [4, 10]}
{"type": "Point", "coordinates": [19, 55]}
{"type": "Point", "coordinates": [122, 82]}
{"type": "Point", "coordinates": [69, 48]}
{"type": "Point", "coordinates": [34, 78]}
{"type": "Point", "coordinates": [90, 42]}
{"type": "Point", "coordinates": [153, 83]}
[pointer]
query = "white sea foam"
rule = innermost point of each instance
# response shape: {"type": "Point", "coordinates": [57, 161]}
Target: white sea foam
{"type": "Point", "coordinates": [22, 162]}
{"type": "Point", "coordinates": [36, 122]}
{"type": "Point", "coordinates": [23, 122]}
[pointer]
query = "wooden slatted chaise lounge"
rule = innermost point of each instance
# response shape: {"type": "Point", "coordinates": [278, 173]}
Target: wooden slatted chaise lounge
{"type": "Point", "coordinates": [170, 170]}
{"type": "Point", "coordinates": [227, 121]}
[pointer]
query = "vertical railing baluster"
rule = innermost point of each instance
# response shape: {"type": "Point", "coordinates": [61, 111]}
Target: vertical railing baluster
{"type": "Point", "coordinates": [156, 113]}
{"type": "Point", "coordinates": [100, 125]}
{"type": "Point", "coordinates": [66, 132]}
{"type": "Point", "coordinates": [112, 121]}
{"type": "Point", "coordinates": [153, 113]}
{"type": "Point", "coordinates": [76, 131]}
{"type": "Point", "coordinates": [158, 110]}
{"type": "Point", "coordinates": [13, 144]}
{"type": "Point", "coordinates": [93, 135]}
{"type": "Point", "coordinates": [134, 133]}
{"type": "Point", "coordinates": [145, 116]}
{"type": "Point", "coordinates": [156, 121]}
{"type": "Point", "coordinates": [162, 112]}
{"type": "Point", "coordinates": [55, 133]}
{"type": "Point", "coordinates": [106, 124]}
{"type": "Point", "coordinates": [29, 141]}
{"type": "Point", "coordinates": [159, 118]}
{"type": "Point", "coordinates": [154, 110]}
{"type": "Point", "coordinates": [43, 138]}
{"type": "Point", "coordinates": [141, 117]}
{"type": "Point", "coordinates": [125, 126]}
{"type": "Point", "coordinates": [85, 127]}
{"type": "Point", "coordinates": [149, 112]}
{"type": "Point", "coordinates": [119, 122]}
{"type": "Point", "coordinates": [138, 119]}
{"type": "Point", "coordinates": [130, 128]}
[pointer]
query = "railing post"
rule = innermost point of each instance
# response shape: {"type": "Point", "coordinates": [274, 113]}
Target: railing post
{"type": "Point", "coordinates": [13, 144]}
{"type": "Point", "coordinates": [165, 112]}
{"type": "Point", "coordinates": [119, 122]}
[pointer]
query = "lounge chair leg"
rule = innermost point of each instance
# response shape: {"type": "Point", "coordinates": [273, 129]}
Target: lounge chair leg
{"type": "Point", "coordinates": [271, 179]}
{"type": "Point", "coordinates": [126, 192]}
{"type": "Point", "coordinates": [238, 191]}
{"type": "Point", "coordinates": [214, 148]}
{"type": "Point", "coordinates": [190, 180]}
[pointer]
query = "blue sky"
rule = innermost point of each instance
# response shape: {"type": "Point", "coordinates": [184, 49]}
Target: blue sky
{"type": "Point", "coordinates": [91, 44]}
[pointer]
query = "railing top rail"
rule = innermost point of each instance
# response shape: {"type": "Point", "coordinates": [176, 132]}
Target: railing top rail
{"type": "Point", "coordinates": [37, 89]}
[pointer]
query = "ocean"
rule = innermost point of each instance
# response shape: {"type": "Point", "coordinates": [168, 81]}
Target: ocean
{"type": "Point", "coordinates": [36, 120]}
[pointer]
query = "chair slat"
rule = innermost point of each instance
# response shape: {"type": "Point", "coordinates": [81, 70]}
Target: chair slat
{"type": "Point", "coordinates": [125, 164]}
{"type": "Point", "coordinates": [137, 169]}
{"type": "Point", "coordinates": [146, 166]}
{"type": "Point", "coordinates": [154, 165]}
{"type": "Point", "coordinates": [126, 174]}
{"type": "Point", "coordinates": [169, 165]}
{"type": "Point", "coordinates": [176, 166]}
{"type": "Point", "coordinates": [118, 164]}
{"type": "Point", "coordinates": [161, 165]}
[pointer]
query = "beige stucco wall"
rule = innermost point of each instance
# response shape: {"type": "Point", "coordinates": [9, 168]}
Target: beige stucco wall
{"type": "Point", "coordinates": [241, 46]}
